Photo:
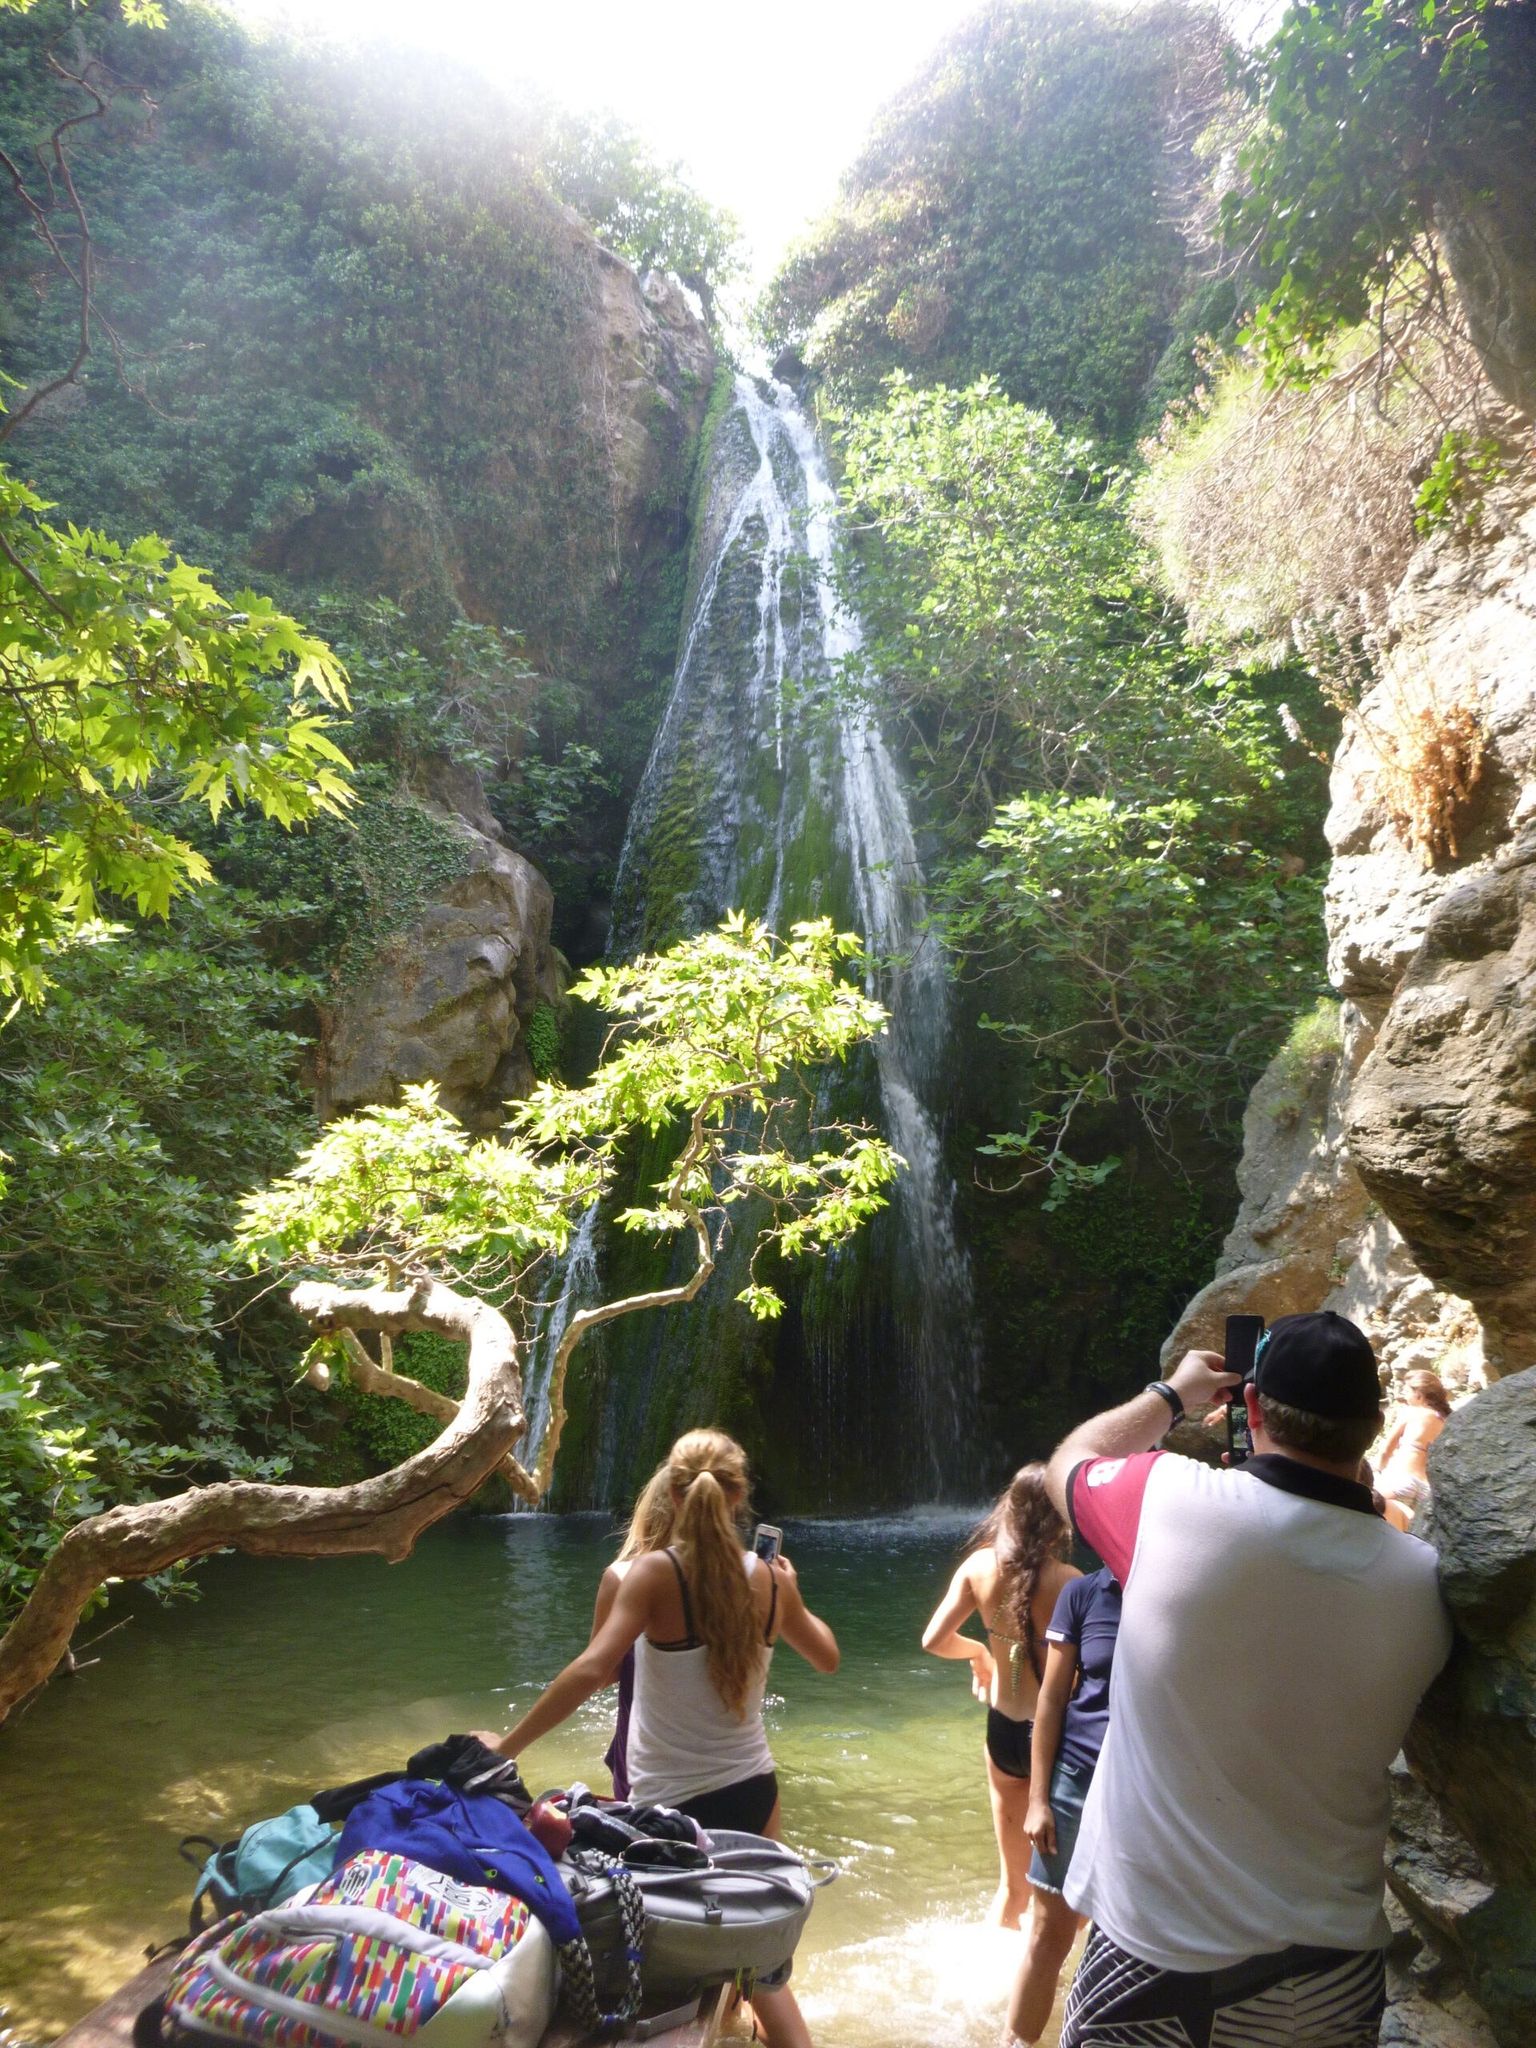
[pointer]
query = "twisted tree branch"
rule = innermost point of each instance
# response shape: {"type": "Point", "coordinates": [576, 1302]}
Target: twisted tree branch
{"type": "Point", "coordinates": [383, 1515]}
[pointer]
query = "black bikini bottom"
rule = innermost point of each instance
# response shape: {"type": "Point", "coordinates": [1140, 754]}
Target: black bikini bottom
{"type": "Point", "coordinates": [1008, 1743]}
{"type": "Point", "coordinates": [745, 1806]}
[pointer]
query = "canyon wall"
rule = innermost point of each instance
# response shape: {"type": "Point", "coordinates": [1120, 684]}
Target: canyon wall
{"type": "Point", "coordinates": [1389, 1172]}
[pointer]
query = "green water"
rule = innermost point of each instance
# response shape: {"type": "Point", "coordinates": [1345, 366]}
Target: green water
{"type": "Point", "coordinates": [288, 1677]}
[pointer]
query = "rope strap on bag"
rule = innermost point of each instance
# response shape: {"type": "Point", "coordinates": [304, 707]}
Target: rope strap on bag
{"type": "Point", "coordinates": [578, 1986]}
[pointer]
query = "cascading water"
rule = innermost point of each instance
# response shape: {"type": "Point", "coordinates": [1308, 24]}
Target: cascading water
{"type": "Point", "coordinates": [770, 791]}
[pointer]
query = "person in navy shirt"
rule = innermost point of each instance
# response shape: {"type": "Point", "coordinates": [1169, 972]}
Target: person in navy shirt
{"type": "Point", "coordinates": [1069, 1733]}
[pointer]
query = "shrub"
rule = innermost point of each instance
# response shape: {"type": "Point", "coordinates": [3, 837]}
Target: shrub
{"type": "Point", "coordinates": [1272, 505]}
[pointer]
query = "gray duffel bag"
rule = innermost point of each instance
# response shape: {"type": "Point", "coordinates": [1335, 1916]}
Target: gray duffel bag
{"type": "Point", "coordinates": [738, 1914]}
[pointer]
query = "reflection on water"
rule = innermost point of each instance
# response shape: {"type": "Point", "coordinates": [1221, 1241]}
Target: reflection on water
{"type": "Point", "coordinates": [288, 1677]}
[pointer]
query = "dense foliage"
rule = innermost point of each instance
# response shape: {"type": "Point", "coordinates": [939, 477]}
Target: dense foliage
{"type": "Point", "coordinates": [1016, 213]}
{"type": "Point", "coordinates": [1379, 120]}
{"type": "Point", "coordinates": [155, 1083]}
{"type": "Point", "coordinates": [1138, 902]}
{"type": "Point", "coordinates": [351, 308]}
{"type": "Point", "coordinates": [119, 667]}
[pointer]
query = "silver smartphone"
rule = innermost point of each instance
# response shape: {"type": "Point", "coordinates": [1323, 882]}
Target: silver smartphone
{"type": "Point", "coordinates": [767, 1541]}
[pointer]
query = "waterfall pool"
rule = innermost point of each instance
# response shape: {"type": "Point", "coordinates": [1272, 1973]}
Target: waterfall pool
{"type": "Point", "coordinates": [286, 1677]}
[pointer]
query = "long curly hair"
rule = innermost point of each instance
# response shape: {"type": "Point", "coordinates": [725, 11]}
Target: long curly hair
{"type": "Point", "coordinates": [1025, 1531]}
{"type": "Point", "coordinates": [707, 1479]}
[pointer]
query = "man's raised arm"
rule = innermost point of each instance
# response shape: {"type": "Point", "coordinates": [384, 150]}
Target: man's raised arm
{"type": "Point", "coordinates": [1141, 1423]}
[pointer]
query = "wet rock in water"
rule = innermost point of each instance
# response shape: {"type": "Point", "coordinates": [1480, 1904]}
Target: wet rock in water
{"type": "Point", "coordinates": [1442, 1120]}
{"type": "Point", "coordinates": [449, 998]}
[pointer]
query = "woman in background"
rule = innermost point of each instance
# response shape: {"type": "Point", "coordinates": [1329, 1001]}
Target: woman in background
{"type": "Point", "coordinates": [1402, 1474]}
{"type": "Point", "coordinates": [1070, 1719]}
{"type": "Point", "coordinates": [1012, 1577]}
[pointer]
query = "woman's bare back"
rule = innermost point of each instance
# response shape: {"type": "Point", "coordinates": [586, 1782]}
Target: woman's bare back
{"type": "Point", "coordinates": [1015, 1684]}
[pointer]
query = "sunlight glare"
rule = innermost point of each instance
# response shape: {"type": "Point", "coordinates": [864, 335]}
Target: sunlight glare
{"type": "Point", "coordinates": [764, 106]}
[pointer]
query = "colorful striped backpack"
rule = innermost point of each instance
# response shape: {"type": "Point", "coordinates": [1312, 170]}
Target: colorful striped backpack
{"type": "Point", "coordinates": [385, 1950]}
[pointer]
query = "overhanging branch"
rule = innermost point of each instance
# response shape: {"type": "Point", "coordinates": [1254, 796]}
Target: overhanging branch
{"type": "Point", "coordinates": [383, 1515]}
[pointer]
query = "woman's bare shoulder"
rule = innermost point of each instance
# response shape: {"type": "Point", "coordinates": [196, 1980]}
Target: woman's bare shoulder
{"type": "Point", "coordinates": [979, 1569]}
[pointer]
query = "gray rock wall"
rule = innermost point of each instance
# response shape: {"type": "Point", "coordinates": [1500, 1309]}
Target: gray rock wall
{"type": "Point", "coordinates": [450, 998]}
{"type": "Point", "coordinates": [1397, 1183]}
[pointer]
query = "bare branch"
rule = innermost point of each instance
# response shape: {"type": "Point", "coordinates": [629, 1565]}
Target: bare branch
{"type": "Point", "coordinates": [383, 1515]}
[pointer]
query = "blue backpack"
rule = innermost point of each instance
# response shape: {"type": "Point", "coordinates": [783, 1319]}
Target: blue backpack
{"type": "Point", "coordinates": [271, 1861]}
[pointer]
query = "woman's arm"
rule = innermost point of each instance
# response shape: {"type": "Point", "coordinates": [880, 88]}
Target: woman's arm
{"type": "Point", "coordinates": [607, 1592]}
{"type": "Point", "coordinates": [1050, 1710]}
{"type": "Point", "coordinates": [587, 1673]}
{"type": "Point", "coordinates": [1394, 1438]}
{"type": "Point", "coordinates": [942, 1637]}
{"type": "Point", "coordinates": [802, 1630]}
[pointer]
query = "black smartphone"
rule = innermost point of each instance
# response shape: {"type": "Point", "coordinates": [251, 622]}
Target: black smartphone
{"type": "Point", "coordinates": [1242, 1342]}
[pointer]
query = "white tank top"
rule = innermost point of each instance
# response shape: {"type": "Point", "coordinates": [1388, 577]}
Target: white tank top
{"type": "Point", "coordinates": [683, 1739]}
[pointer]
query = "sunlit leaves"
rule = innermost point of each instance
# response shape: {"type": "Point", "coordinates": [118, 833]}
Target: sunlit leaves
{"type": "Point", "coordinates": [1368, 111]}
{"type": "Point", "coordinates": [706, 1039]}
{"type": "Point", "coordinates": [406, 1182]}
{"type": "Point", "coordinates": [122, 671]}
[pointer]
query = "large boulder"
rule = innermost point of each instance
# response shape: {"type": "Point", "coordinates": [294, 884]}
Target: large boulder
{"type": "Point", "coordinates": [1457, 637]}
{"type": "Point", "coordinates": [1302, 1208]}
{"type": "Point", "coordinates": [1474, 1742]}
{"type": "Point", "coordinates": [1442, 1118]}
{"type": "Point", "coordinates": [450, 998]}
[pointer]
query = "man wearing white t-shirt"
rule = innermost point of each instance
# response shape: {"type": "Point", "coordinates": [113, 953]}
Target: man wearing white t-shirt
{"type": "Point", "coordinates": [1275, 1640]}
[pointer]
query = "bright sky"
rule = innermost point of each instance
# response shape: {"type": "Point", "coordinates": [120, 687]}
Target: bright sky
{"type": "Point", "coordinates": [764, 105]}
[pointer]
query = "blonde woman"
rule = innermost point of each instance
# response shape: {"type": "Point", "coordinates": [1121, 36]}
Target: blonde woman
{"type": "Point", "coordinates": [702, 1617]}
{"type": "Point", "coordinates": [650, 1528]}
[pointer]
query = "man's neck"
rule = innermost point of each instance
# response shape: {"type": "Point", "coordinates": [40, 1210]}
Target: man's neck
{"type": "Point", "coordinates": [1265, 1444]}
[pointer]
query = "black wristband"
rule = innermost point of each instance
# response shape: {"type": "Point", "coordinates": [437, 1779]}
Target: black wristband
{"type": "Point", "coordinates": [1170, 1395]}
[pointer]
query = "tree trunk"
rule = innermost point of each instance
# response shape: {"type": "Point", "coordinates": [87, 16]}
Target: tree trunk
{"type": "Point", "coordinates": [382, 1515]}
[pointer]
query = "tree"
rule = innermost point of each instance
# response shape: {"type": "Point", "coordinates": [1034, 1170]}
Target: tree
{"type": "Point", "coordinates": [1136, 905]}
{"type": "Point", "coordinates": [400, 1222]}
{"type": "Point", "coordinates": [123, 670]}
{"type": "Point", "coordinates": [645, 210]}
{"type": "Point", "coordinates": [1388, 131]}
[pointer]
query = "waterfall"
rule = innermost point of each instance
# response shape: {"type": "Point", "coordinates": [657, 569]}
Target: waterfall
{"type": "Point", "coordinates": [578, 1289]}
{"type": "Point", "coordinates": [770, 791]}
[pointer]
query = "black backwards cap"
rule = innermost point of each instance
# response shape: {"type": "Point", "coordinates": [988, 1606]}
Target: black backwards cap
{"type": "Point", "coordinates": [1320, 1363]}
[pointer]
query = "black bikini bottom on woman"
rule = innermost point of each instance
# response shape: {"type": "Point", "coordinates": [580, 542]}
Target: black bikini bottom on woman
{"type": "Point", "coordinates": [745, 1806]}
{"type": "Point", "coordinates": [1008, 1743]}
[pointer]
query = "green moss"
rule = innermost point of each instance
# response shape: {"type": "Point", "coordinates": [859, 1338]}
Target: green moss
{"type": "Point", "coordinates": [541, 1038]}
{"type": "Point", "coordinates": [1305, 1063]}
{"type": "Point", "coordinates": [402, 857]}
{"type": "Point", "coordinates": [384, 1428]}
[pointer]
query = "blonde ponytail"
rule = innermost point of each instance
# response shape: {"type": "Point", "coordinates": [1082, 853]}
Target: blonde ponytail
{"type": "Point", "coordinates": [705, 1470]}
{"type": "Point", "coordinates": [650, 1526]}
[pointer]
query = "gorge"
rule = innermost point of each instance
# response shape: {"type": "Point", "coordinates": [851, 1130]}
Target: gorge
{"type": "Point", "coordinates": [640, 633]}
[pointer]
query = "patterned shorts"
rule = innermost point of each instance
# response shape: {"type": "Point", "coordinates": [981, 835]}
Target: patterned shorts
{"type": "Point", "coordinates": [1298, 1998]}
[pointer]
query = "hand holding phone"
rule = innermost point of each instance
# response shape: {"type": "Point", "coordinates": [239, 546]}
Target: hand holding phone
{"type": "Point", "coordinates": [1242, 1343]}
{"type": "Point", "coordinates": [767, 1541]}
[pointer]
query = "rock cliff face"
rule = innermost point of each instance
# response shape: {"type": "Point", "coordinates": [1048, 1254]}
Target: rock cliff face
{"type": "Point", "coordinates": [451, 998]}
{"type": "Point", "coordinates": [1395, 1180]}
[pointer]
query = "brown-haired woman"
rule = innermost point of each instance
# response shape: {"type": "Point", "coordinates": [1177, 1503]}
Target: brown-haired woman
{"type": "Point", "coordinates": [1402, 1477]}
{"type": "Point", "coordinates": [702, 1617]}
{"type": "Point", "coordinates": [1011, 1577]}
